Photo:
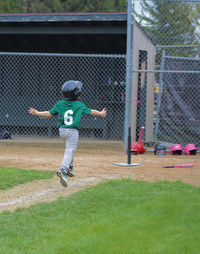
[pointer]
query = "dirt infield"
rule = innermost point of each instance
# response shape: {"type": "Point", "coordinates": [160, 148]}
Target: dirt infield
{"type": "Point", "coordinates": [93, 163]}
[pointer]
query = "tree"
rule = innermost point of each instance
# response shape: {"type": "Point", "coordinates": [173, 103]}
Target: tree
{"type": "Point", "coordinates": [43, 6]}
{"type": "Point", "coordinates": [169, 23]}
{"type": "Point", "coordinates": [195, 17]}
{"type": "Point", "coordinates": [95, 5]}
{"type": "Point", "coordinates": [12, 6]}
{"type": "Point", "coordinates": [60, 6]}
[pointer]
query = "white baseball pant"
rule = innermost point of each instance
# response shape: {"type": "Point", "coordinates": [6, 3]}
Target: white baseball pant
{"type": "Point", "coordinates": [71, 136]}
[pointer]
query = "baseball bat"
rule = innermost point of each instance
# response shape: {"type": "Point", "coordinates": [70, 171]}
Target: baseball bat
{"type": "Point", "coordinates": [141, 133]}
{"type": "Point", "coordinates": [179, 166]}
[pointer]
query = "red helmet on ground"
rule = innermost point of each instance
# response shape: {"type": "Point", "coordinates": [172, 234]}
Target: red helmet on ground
{"type": "Point", "coordinates": [190, 149]}
{"type": "Point", "coordinates": [176, 149]}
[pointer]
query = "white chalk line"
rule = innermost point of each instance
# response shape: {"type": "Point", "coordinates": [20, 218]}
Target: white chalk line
{"type": "Point", "coordinates": [24, 159]}
{"type": "Point", "coordinates": [43, 193]}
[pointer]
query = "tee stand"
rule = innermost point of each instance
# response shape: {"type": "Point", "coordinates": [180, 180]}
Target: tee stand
{"type": "Point", "coordinates": [129, 164]}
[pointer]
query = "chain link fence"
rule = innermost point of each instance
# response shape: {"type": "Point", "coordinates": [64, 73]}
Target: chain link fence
{"type": "Point", "coordinates": [178, 115]}
{"type": "Point", "coordinates": [174, 28]}
{"type": "Point", "coordinates": [35, 80]}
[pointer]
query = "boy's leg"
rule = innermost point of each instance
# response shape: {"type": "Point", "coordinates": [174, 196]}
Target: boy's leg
{"type": "Point", "coordinates": [71, 136]}
{"type": "Point", "coordinates": [71, 144]}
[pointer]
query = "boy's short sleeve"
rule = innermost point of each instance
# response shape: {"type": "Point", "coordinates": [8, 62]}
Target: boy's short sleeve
{"type": "Point", "coordinates": [54, 110]}
{"type": "Point", "coordinates": [86, 111]}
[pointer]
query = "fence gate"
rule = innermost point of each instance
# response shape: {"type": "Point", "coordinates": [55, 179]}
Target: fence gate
{"type": "Point", "coordinates": [178, 114]}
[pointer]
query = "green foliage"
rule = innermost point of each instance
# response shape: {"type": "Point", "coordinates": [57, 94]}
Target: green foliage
{"type": "Point", "coordinates": [195, 17]}
{"type": "Point", "coordinates": [12, 6]}
{"type": "Point", "coordinates": [44, 6]}
{"type": "Point", "coordinates": [95, 5]}
{"type": "Point", "coordinates": [169, 23]}
{"type": "Point", "coordinates": [50, 6]}
{"type": "Point", "coordinates": [122, 216]}
{"type": "Point", "coordinates": [10, 177]}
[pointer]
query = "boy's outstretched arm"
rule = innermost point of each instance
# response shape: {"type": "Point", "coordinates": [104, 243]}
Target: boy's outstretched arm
{"type": "Point", "coordinates": [34, 112]}
{"type": "Point", "coordinates": [99, 113]}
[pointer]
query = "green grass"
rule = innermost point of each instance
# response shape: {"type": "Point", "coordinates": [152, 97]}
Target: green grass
{"type": "Point", "coordinates": [10, 177]}
{"type": "Point", "coordinates": [123, 216]}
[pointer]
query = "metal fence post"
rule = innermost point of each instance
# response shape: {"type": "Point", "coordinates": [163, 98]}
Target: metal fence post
{"type": "Point", "coordinates": [159, 95]}
{"type": "Point", "coordinates": [129, 73]}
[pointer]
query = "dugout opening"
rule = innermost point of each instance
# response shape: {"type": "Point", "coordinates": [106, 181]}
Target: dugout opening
{"type": "Point", "coordinates": [62, 43]}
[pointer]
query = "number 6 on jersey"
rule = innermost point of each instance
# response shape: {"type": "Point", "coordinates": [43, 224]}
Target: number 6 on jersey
{"type": "Point", "coordinates": [68, 117]}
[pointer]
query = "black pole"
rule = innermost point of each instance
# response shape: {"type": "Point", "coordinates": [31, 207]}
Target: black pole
{"type": "Point", "coordinates": [129, 145]}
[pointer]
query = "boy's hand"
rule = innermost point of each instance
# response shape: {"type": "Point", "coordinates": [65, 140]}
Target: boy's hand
{"type": "Point", "coordinates": [103, 112]}
{"type": "Point", "coordinates": [99, 113]}
{"type": "Point", "coordinates": [33, 111]}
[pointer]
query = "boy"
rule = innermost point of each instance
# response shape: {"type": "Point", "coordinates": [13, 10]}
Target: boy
{"type": "Point", "coordinates": [70, 110]}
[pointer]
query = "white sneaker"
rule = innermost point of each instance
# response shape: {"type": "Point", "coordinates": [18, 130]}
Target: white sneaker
{"type": "Point", "coordinates": [62, 174]}
{"type": "Point", "coordinates": [70, 171]}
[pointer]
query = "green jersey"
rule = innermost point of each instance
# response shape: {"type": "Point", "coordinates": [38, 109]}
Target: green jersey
{"type": "Point", "coordinates": [70, 113]}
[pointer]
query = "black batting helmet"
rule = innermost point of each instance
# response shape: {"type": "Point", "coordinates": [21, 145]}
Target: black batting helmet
{"type": "Point", "coordinates": [71, 90]}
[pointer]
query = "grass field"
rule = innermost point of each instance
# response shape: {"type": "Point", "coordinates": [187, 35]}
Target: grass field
{"type": "Point", "coordinates": [13, 176]}
{"type": "Point", "coordinates": [118, 216]}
